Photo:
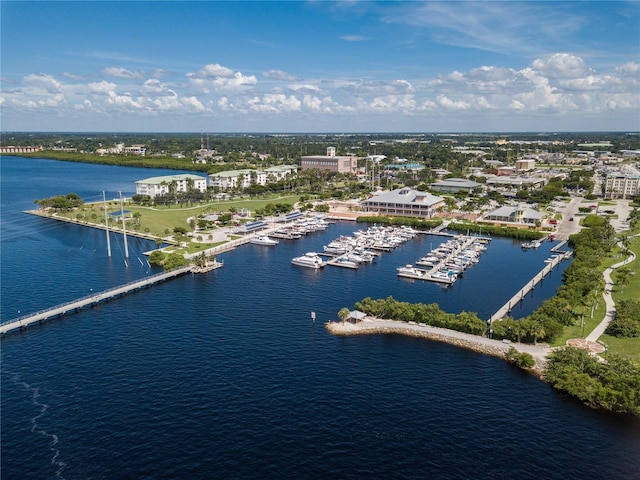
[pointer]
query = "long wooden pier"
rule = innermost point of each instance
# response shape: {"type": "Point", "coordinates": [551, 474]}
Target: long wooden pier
{"type": "Point", "coordinates": [519, 296]}
{"type": "Point", "coordinates": [89, 300]}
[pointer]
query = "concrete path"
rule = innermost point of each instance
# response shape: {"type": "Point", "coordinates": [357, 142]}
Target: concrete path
{"type": "Point", "coordinates": [608, 299]}
{"type": "Point", "coordinates": [372, 325]}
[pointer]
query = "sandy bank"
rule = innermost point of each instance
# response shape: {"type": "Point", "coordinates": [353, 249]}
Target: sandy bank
{"type": "Point", "coordinates": [476, 343]}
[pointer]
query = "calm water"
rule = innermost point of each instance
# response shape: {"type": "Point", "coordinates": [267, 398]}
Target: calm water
{"type": "Point", "coordinates": [224, 375]}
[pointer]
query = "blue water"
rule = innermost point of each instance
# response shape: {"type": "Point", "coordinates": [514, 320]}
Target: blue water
{"type": "Point", "coordinates": [224, 375]}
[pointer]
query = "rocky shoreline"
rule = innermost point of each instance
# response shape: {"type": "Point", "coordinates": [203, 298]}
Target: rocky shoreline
{"type": "Point", "coordinates": [475, 343]}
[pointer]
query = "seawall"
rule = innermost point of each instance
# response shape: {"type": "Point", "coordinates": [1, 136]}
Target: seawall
{"type": "Point", "coordinates": [475, 343]}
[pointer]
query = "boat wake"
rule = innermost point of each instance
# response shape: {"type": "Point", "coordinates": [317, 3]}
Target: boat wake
{"type": "Point", "coordinates": [35, 428]}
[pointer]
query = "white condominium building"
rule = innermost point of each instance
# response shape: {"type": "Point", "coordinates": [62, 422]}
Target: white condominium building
{"type": "Point", "coordinates": [170, 183]}
{"type": "Point", "coordinates": [620, 185]}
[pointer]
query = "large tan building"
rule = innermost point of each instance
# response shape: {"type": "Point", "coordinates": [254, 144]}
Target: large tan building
{"type": "Point", "coordinates": [620, 185]}
{"type": "Point", "coordinates": [331, 162]}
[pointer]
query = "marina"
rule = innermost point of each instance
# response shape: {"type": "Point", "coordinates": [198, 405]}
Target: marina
{"type": "Point", "coordinates": [242, 335]}
{"type": "Point", "coordinates": [448, 261]}
{"type": "Point", "coordinates": [364, 246]}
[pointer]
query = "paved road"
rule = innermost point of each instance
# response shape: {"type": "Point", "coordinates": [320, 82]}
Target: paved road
{"type": "Point", "coordinates": [566, 226]}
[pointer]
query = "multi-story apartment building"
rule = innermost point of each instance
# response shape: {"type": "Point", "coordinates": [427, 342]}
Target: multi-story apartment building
{"type": "Point", "coordinates": [331, 162]}
{"type": "Point", "coordinates": [170, 183]}
{"type": "Point", "coordinates": [622, 185]}
{"type": "Point", "coordinates": [237, 179]}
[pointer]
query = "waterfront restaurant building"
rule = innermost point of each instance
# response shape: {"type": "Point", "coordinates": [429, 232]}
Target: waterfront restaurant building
{"type": "Point", "coordinates": [331, 162]}
{"type": "Point", "coordinates": [178, 183]}
{"type": "Point", "coordinates": [404, 202]}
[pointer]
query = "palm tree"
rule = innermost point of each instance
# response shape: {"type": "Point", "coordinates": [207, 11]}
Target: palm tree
{"type": "Point", "coordinates": [343, 314]}
{"type": "Point", "coordinates": [623, 277]}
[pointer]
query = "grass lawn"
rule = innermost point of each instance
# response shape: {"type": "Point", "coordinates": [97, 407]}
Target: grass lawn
{"type": "Point", "coordinates": [200, 247]}
{"type": "Point", "coordinates": [632, 289]}
{"type": "Point", "coordinates": [627, 347]}
{"type": "Point", "coordinates": [622, 346]}
{"type": "Point", "coordinates": [159, 220]}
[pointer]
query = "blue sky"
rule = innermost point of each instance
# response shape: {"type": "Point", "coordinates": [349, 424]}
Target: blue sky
{"type": "Point", "coordinates": [320, 66]}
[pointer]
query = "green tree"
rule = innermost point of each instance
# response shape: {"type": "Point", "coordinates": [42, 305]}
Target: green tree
{"type": "Point", "coordinates": [521, 359]}
{"type": "Point", "coordinates": [623, 277]}
{"type": "Point", "coordinates": [175, 260]}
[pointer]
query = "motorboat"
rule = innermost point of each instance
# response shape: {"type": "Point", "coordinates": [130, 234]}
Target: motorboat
{"type": "Point", "coordinates": [411, 271]}
{"type": "Point", "coordinates": [444, 277]}
{"type": "Point", "coordinates": [309, 260]}
{"type": "Point", "coordinates": [263, 240]}
{"type": "Point", "coordinates": [344, 261]}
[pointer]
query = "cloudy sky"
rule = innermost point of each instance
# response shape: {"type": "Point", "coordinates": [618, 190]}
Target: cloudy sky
{"type": "Point", "coordinates": [320, 66]}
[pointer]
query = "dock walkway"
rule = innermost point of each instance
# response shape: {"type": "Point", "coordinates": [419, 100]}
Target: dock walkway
{"type": "Point", "coordinates": [519, 296]}
{"type": "Point", "coordinates": [89, 300]}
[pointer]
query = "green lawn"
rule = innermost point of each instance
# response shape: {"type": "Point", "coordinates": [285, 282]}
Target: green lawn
{"type": "Point", "coordinates": [160, 219]}
{"type": "Point", "coordinates": [630, 291]}
{"type": "Point", "coordinates": [627, 347]}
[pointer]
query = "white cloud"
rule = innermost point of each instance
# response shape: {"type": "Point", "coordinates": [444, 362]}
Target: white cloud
{"type": "Point", "coordinates": [449, 104]}
{"type": "Point", "coordinates": [368, 87]}
{"type": "Point", "coordinates": [46, 83]}
{"type": "Point", "coordinates": [558, 86]}
{"type": "Point", "coordinates": [279, 75]}
{"type": "Point", "coordinates": [502, 27]}
{"type": "Point", "coordinates": [120, 72]}
{"type": "Point", "coordinates": [275, 103]}
{"type": "Point", "coordinates": [215, 77]}
{"type": "Point", "coordinates": [307, 88]}
{"type": "Point", "coordinates": [102, 88]}
{"type": "Point", "coordinates": [629, 69]}
{"type": "Point", "coordinates": [192, 103]}
{"type": "Point", "coordinates": [210, 71]}
{"type": "Point", "coordinates": [561, 65]}
{"type": "Point", "coordinates": [154, 87]}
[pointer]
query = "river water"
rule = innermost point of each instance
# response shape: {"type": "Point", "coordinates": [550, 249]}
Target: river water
{"type": "Point", "coordinates": [225, 375]}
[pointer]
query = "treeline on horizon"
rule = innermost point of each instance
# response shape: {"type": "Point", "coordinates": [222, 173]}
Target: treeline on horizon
{"type": "Point", "coordinates": [296, 144]}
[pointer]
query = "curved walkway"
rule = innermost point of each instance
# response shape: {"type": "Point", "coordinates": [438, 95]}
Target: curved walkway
{"type": "Point", "coordinates": [608, 299]}
{"type": "Point", "coordinates": [371, 325]}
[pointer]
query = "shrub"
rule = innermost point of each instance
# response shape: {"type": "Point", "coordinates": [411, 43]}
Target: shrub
{"type": "Point", "coordinates": [523, 360]}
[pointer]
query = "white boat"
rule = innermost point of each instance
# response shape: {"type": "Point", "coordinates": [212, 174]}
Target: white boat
{"type": "Point", "coordinates": [346, 262]}
{"type": "Point", "coordinates": [263, 240]}
{"type": "Point", "coordinates": [411, 271]}
{"type": "Point", "coordinates": [443, 277]}
{"type": "Point", "coordinates": [309, 260]}
{"type": "Point", "coordinates": [336, 248]}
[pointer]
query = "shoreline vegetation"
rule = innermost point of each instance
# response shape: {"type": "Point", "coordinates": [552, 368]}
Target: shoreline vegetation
{"type": "Point", "coordinates": [610, 383]}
